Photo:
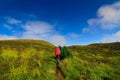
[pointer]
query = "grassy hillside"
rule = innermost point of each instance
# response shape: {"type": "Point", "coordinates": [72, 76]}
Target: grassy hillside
{"type": "Point", "coordinates": [26, 60]}
{"type": "Point", "coordinates": [34, 60]}
{"type": "Point", "coordinates": [93, 62]}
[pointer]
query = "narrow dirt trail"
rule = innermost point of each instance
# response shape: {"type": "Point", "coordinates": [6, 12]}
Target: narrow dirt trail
{"type": "Point", "coordinates": [59, 73]}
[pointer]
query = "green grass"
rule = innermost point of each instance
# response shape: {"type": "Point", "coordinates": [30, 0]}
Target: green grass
{"type": "Point", "coordinates": [27, 60]}
{"type": "Point", "coordinates": [34, 60]}
{"type": "Point", "coordinates": [94, 62]}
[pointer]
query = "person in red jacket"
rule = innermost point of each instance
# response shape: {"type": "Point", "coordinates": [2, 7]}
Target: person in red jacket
{"type": "Point", "coordinates": [57, 53]}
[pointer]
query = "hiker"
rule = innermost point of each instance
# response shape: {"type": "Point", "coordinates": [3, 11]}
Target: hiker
{"type": "Point", "coordinates": [57, 54]}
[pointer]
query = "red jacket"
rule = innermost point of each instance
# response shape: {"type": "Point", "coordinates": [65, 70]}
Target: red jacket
{"type": "Point", "coordinates": [57, 51]}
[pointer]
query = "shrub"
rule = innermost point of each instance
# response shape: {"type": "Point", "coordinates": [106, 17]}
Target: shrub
{"type": "Point", "coordinates": [65, 52]}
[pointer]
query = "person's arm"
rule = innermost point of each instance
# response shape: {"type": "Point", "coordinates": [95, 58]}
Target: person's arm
{"type": "Point", "coordinates": [55, 51]}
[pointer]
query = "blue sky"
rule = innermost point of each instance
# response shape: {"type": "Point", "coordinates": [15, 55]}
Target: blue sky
{"type": "Point", "coordinates": [61, 22]}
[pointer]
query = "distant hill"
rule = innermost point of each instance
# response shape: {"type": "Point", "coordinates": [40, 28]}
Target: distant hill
{"type": "Point", "coordinates": [23, 44]}
{"type": "Point", "coordinates": [98, 48]}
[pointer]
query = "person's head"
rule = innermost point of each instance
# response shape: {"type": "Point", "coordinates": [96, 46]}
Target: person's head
{"type": "Point", "coordinates": [57, 45]}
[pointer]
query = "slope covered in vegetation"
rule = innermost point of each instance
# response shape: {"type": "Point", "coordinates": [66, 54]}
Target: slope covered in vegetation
{"type": "Point", "coordinates": [34, 60]}
{"type": "Point", "coordinates": [26, 60]}
{"type": "Point", "coordinates": [93, 62]}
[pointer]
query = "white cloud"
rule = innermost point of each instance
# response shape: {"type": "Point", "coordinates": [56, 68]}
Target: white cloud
{"type": "Point", "coordinates": [37, 27]}
{"type": "Point", "coordinates": [86, 29]}
{"type": "Point", "coordinates": [108, 17]}
{"type": "Point", "coordinates": [12, 21]}
{"type": "Point", "coordinates": [6, 37]}
{"type": "Point", "coordinates": [58, 40]}
{"type": "Point", "coordinates": [37, 30]}
{"type": "Point", "coordinates": [42, 30]}
{"type": "Point", "coordinates": [7, 27]}
{"type": "Point", "coordinates": [30, 36]}
{"type": "Point", "coordinates": [112, 38]}
{"type": "Point", "coordinates": [34, 30]}
{"type": "Point", "coordinates": [74, 35]}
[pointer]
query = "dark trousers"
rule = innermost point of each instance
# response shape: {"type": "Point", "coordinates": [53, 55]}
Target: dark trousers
{"type": "Point", "coordinates": [57, 58]}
